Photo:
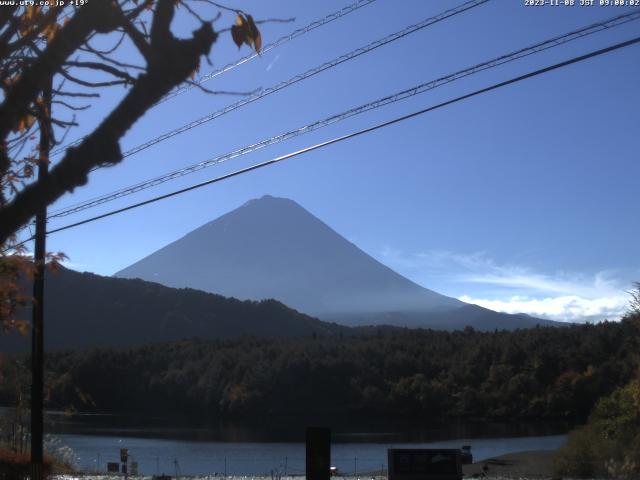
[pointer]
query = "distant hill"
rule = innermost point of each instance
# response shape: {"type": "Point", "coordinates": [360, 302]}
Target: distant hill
{"type": "Point", "coordinates": [468, 315]}
{"type": "Point", "coordinates": [83, 310]}
{"type": "Point", "coordinates": [273, 248]}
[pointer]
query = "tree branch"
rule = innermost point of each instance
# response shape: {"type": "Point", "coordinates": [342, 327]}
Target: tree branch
{"type": "Point", "coordinates": [105, 68]}
{"type": "Point", "coordinates": [137, 38]}
{"type": "Point", "coordinates": [96, 16]}
{"type": "Point", "coordinates": [175, 61]}
{"type": "Point", "coordinates": [86, 83]}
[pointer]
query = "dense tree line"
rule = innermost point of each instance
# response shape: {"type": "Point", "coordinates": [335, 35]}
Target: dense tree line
{"type": "Point", "coordinates": [540, 373]}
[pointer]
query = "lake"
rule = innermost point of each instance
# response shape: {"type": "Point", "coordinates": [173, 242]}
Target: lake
{"type": "Point", "coordinates": [234, 450]}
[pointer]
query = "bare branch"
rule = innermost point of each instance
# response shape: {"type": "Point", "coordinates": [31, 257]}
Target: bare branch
{"type": "Point", "coordinates": [94, 16]}
{"type": "Point", "coordinates": [193, 12]}
{"type": "Point", "coordinates": [105, 68]}
{"type": "Point", "coordinates": [221, 92]}
{"type": "Point", "coordinates": [12, 26]}
{"type": "Point", "coordinates": [64, 123]}
{"type": "Point", "coordinates": [108, 59]}
{"type": "Point", "coordinates": [6, 14]}
{"type": "Point", "coordinates": [47, 20]}
{"type": "Point", "coordinates": [137, 38]}
{"type": "Point", "coordinates": [69, 106]}
{"type": "Point", "coordinates": [178, 59]}
{"type": "Point", "coordinates": [108, 51]}
{"type": "Point", "coordinates": [222, 7]}
{"type": "Point", "coordinates": [160, 27]}
{"type": "Point", "coordinates": [61, 93]}
{"type": "Point", "coordinates": [275, 20]}
{"type": "Point", "coordinates": [86, 83]}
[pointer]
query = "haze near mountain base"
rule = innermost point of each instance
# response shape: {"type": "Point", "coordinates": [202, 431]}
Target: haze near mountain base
{"type": "Point", "coordinates": [273, 248]}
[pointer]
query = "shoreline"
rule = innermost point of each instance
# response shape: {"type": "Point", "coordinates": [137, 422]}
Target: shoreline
{"type": "Point", "coordinates": [534, 464]}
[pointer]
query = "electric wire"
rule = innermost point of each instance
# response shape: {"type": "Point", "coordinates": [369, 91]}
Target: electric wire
{"type": "Point", "coordinates": [262, 93]}
{"type": "Point", "coordinates": [357, 133]}
{"type": "Point", "coordinates": [282, 40]}
{"type": "Point", "coordinates": [230, 66]}
{"type": "Point", "coordinates": [304, 76]}
{"type": "Point", "coordinates": [523, 52]}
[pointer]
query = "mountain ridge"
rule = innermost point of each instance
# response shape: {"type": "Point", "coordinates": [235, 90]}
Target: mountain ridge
{"type": "Point", "coordinates": [273, 248]}
{"type": "Point", "coordinates": [85, 310]}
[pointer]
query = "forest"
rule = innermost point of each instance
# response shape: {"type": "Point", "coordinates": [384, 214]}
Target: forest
{"type": "Point", "coordinates": [131, 312]}
{"type": "Point", "coordinates": [555, 374]}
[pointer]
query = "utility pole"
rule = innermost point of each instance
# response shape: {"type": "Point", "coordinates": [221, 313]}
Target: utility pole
{"type": "Point", "coordinates": [37, 326]}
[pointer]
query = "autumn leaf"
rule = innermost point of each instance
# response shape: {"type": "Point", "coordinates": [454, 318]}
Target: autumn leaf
{"type": "Point", "coordinates": [22, 326]}
{"type": "Point", "coordinates": [258, 42]}
{"type": "Point", "coordinates": [35, 19]}
{"type": "Point", "coordinates": [29, 21]}
{"type": "Point", "coordinates": [70, 411]}
{"type": "Point", "coordinates": [85, 397]}
{"type": "Point", "coordinates": [54, 261]}
{"type": "Point", "coordinates": [43, 106]}
{"type": "Point", "coordinates": [195, 70]}
{"type": "Point", "coordinates": [245, 31]}
{"type": "Point", "coordinates": [10, 81]}
{"type": "Point", "coordinates": [25, 123]}
{"type": "Point", "coordinates": [237, 31]}
{"type": "Point", "coordinates": [51, 30]}
{"type": "Point", "coordinates": [255, 33]}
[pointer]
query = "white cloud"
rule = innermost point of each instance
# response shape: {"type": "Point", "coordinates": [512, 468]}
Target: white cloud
{"type": "Point", "coordinates": [569, 308]}
{"type": "Point", "coordinates": [512, 288]}
{"type": "Point", "coordinates": [74, 266]}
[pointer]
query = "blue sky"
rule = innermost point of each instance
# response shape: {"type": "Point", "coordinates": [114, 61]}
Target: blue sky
{"type": "Point", "coordinates": [520, 200]}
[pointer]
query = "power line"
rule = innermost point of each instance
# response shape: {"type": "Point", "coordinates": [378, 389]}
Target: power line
{"type": "Point", "coordinates": [300, 77]}
{"type": "Point", "coordinates": [523, 52]}
{"type": "Point", "coordinates": [282, 40]}
{"type": "Point", "coordinates": [247, 58]}
{"type": "Point", "coordinates": [303, 76]}
{"type": "Point", "coordinates": [308, 74]}
{"type": "Point", "coordinates": [358, 133]}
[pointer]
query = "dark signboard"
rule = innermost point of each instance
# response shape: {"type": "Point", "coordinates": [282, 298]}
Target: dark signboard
{"type": "Point", "coordinates": [113, 467]}
{"type": "Point", "coordinates": [426, 464]}
{"type": "Point", "coordinates": [318, 453]}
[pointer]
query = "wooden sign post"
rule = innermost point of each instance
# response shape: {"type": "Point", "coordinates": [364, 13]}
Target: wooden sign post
{"type": "Point", "coordinates": [318, 459]}
{"type": "Point", "coordinates": [424, 464]}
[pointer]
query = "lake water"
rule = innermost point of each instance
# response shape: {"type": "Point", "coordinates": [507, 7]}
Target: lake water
{"type": "Point", "coordinates": [352, 453]}
{"type": "Point", "coordinates": [162, 445]}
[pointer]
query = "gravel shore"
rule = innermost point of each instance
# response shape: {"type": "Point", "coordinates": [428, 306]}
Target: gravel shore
{"type": "Point", "coordinates": [535, 464]}
{"type": "Point", "coordinates": [513, 466]}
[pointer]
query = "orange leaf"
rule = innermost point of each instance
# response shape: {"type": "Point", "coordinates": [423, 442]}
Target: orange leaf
{"type": "Point", "coordinates": [254, 33]}
{"type": "Point", "coordinates": [237, 31]}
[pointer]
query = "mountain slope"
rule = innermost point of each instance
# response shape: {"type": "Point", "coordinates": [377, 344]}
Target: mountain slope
{"type": "Point", "coordinates": [83, 310]}
{"type": "Point", "coordinates": [273, 248]}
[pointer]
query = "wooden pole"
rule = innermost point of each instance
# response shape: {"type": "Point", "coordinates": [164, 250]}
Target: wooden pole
{"type": "Point", "coordinates": [37, 329]}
